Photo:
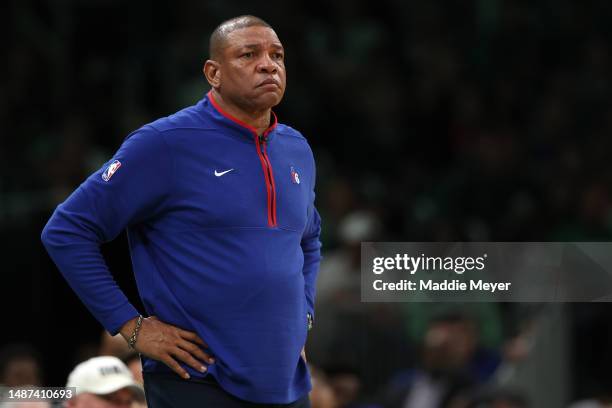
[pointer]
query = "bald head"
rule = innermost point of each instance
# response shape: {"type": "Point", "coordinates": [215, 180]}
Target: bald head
{"type": "Point", "coordinates": [246, 67]}
{"type": "Point", "coordinates": [218, 39]}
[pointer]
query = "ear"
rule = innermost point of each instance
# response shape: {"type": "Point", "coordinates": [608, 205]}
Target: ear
{"type": "Point", "coordinates": [212, 72]}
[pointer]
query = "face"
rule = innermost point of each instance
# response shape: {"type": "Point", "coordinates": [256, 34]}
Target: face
{"type": "Point", "coordinates": [122, 398]}
{"type": "Point", "coordinates": [250, 72]}
{"type": "Point", "coordinates": [450, 345]}
{"type": "Point", "coordinates": [23, 371]}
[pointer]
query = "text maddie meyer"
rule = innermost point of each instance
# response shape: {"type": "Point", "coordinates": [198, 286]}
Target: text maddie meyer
{"type": "Point", "coordinates": [447, 285]}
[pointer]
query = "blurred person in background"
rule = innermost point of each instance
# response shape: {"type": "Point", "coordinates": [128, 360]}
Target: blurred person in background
{"type": "Point", "coordinates": [338, 342]}
{"type": "Point", "coordinates": [117, 347]}
{"type": "Point", "coordinates": [26, 404]}
{"type": "Point", "coordinates": [104, 382]}
{"type": "Point", "coordinates": [218, 200]}
{"type": "Point", "coordinates": [322, 394]}
{"type": "Point", "coordinates": [603, 400]}
{"type": "Point", "coordinates": [19, 366]}
{"type": "Point", "coordinates": [339, 281]}
{"type": "Point", "coordinates": [134, 364]}
{"type": "Point", "coordinates": [490, 397]}
{"type": "Point", "coordinates": [346, 384]}
{"type": "Point", "coordinates": [452, 362]}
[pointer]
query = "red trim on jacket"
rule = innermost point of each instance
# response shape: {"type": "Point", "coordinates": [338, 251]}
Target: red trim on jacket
{"type": "Point", "coordinates": [238, 121]}
{"type": "Point", "coordinates": [266, 166]}
{"type": "Point", "coordinates": [269, 186]}
{"type": "Point", "coordinates": [273, 186]}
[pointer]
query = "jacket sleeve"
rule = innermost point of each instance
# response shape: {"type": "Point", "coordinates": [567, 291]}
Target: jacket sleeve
{"type": "Point", "coordinates": [132, 187]}
{"type": "Point", "coordinates": [311, 247]}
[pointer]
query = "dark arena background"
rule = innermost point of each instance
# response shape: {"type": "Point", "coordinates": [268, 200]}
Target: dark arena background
{"type": "Point", "coordinates": [436, 120]}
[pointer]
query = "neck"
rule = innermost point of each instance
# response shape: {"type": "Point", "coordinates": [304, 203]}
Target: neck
{"type": "Point", "coordinates": [258, 119]}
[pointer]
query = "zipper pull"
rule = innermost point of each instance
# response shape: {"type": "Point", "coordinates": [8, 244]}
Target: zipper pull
{"type": "Point", "coordinates": [262, 138]}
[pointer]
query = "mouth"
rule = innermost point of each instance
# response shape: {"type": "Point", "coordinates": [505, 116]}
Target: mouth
{"type": "Point", "coordinates": [268, 81]}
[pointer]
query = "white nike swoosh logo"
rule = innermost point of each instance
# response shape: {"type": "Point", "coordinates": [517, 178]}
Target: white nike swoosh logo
{"type": "Point", "coordinates": [219, 174]}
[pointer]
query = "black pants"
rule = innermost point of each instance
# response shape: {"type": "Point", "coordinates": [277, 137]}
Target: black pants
{"type": "Point", "coordinates": [170, 391]}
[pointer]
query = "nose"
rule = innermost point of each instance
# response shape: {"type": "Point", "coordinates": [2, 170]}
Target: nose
{"type": "Point", "coordinates": [266, 65]}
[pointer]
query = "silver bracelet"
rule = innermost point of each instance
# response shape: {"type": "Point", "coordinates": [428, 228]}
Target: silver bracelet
{"type": "Point", "coordinates": [134, 336]}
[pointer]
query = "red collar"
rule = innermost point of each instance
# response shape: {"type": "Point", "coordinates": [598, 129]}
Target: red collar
{"type": "Point", "coordinates": [238, 121]}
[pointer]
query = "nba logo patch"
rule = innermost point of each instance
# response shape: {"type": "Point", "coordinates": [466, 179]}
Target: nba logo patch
{"type": "Point", "coordinates": [110, 170]}
{"type": "Point", "coordinates": [295, 177]}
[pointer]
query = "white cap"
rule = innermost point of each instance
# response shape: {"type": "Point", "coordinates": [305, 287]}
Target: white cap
{"type": "Point", "coordinates": [103, 375]}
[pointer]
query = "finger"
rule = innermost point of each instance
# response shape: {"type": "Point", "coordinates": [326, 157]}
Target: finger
{"type": "Point", "coordinates": [175, 366]}
{"type": "Point", "coordinates": [196, 351]}
{"type": "Point", "coordinates": [188, 359]}
{"type": "Point", "coordinates": [191, 336]}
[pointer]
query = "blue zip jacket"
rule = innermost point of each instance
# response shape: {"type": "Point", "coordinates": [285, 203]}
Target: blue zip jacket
{"type": "Point", "coordinates": [224, 240]}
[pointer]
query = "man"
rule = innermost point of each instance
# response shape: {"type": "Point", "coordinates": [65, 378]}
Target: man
{"type": "Point", "coordinates": [218, 201]}
{"type": "Point", "coordinates": [20, 365]}
{"type": "Point", "coordinates": [103, 382]}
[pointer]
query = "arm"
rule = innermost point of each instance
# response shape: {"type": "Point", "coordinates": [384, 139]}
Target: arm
{"type": "Point", "coordinates": [97, 212]}
{"type": "Point", "coordinates": [311, 247]}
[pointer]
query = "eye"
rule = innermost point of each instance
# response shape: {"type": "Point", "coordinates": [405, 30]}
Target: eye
{"type": "Point", "coordinates": [249, 54]}
{"type": "Point", "coordinates": [278, 56]}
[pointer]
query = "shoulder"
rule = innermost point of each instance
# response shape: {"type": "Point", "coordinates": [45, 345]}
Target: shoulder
{"type": "Point", "coordinates": [142, 142]}
{"type": "Point", "coordinates": [294, 141]}
{"type": "Point", "coordinates": [287, 132]}
{"type": "Point", "coordinates": [187, 118]}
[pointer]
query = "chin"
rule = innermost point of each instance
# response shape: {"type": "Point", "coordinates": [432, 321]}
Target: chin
{"type": "Point", "coordinates": [269, 99]}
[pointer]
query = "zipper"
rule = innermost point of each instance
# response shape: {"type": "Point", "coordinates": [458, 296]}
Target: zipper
{"type": "Point", "coordinates": [260, 143]}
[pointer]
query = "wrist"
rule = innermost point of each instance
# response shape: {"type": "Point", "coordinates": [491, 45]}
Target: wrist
{"type": "Point", "coordinates": [134, 337]}
{"type": "Point", "coordinates": [128, 328]}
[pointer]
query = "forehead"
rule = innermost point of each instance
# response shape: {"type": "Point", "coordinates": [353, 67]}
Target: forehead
{"type": "Point", "coordinates": [256, 35]}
